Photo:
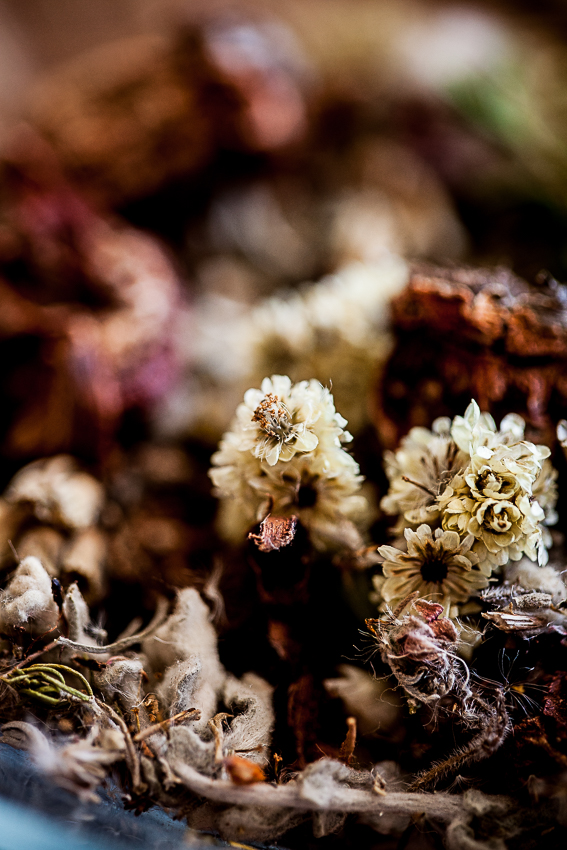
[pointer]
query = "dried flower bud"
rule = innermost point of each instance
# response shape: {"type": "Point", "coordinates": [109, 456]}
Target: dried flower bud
{"type": "Point", "coordinates": [242, 771]}
{"type": "Point", "coordinates": [27, 602]}
{"type": "Point", "coordinates": [275, 532]}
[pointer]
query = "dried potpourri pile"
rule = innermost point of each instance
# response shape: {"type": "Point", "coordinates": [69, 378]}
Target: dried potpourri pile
{"type": "Point", "coordinates": [283, 557]}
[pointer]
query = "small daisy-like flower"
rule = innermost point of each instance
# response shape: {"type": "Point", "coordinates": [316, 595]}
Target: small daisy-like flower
{"type": "Point", "coordinates": [282, 419]}
{"type": "Point", "coordinates": [418, 471]}
{"type": "Point", "coordinates": [439, 565]}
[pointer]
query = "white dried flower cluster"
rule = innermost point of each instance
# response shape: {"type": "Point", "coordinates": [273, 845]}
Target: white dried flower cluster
{"type": "Point", "coordinates": [418, 471]}
{"type": "Point", "coordinates": [283, 455]}
{"type": "Point", "coordinates": [479, 497]}
{"type": "Point", "coordinates": [335, 329]}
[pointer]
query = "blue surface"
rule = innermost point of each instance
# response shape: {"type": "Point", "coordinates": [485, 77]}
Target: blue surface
{"type": "Point", "coordinates": [35, 814]}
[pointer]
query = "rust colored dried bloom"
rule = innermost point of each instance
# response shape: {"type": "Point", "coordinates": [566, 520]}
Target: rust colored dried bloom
{"type": "Point", "coordinates": [275, 532]}
{"type": "Point", "coordinates": [420, 650]}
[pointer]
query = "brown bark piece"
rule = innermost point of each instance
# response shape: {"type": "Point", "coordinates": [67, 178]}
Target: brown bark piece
{"type": "Point", "coordinates": [302, 711]}
{"type": "Point", "coordinates": [475, 333]}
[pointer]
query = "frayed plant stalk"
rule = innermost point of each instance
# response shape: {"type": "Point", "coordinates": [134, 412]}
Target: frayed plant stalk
{"type": "Point", "coordinates": [420, 649]}
{"type": "Point", "coordinates": [495, 724]}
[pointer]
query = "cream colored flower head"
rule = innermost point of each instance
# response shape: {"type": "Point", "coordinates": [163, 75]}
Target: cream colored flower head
{"type": "Point", "coordinates": [280, 419]}
{"type": "Point", "coordinates": [284, 455]}
{"type": "Point", "coordinates": [418, 471]}
{"type": "Point", "coordinates": [492, 498]}
{"type": "Point", "coordinates": [478, 481]}
{"type": "Point", "coordinates": [439, 564]}
{"type": "Point", "coordinates": [322, 490]}
{"type": "Point", "coordinates": [504, 529]}
{"type": "Point", "coordinates": [476, 431]}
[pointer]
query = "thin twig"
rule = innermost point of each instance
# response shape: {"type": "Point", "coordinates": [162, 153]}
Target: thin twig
{"type": "Point", "coordinates": [215, 725]}
{"type": "Point", "coordinates": [349, 743]}
{"type": "Point", "coordinates": [420, 486]}
{"type": "Point", "coordinates": [29, 658]}
{"type": "Point", "coordinates": [131, 756]}
{"type": "Point", "coordinates": [188, 714]}
{"type": "Point", "coordinates": [116, 647]}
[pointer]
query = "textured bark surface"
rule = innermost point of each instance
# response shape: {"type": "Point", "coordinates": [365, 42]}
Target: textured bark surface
{"type": "Point", "coordinates": [475, 333]}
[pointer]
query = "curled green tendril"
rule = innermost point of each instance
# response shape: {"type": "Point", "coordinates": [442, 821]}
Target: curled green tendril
{"type": "Point", "coordinates": [46, 682]}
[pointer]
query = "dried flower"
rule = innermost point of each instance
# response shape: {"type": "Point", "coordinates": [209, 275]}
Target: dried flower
{"type": "Point", "coordinates": [418, 471]}
{"type": "Point", "coordinates": [476, 430]}
{"type": "Point", "coordinates": [420, 646]}
{"type": "Point", "coordinates": [492, 500]}
{"type": "Point", "coordinates": [476, 480]}
{"type": "Point", "coordinates": [281, 420]}
{"type": "Point", "coordinates": [275, 532]}
{"type": "Point", "coordinates": [438, 565]}
{"type": "Point", "coordinates": [260, 470]}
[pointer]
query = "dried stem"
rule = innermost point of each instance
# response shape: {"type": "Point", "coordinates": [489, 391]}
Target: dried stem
{"type": "Point", "coordinates": [215, 725]}
{"type": "Point", "coordinates": [188, 714]}
{"type": "Point", "coordinates": [420, 486]}
{"type": "Point", "coordinates": [113, 648]}
{"type": "Point", "coordinates": [131, 756]}
{"type": "Point", "coordinates": [349, 743]}
{"type": "Point", "coordinates": [46, 683]}
{"type": "Point", "coordinates": [29, 658]}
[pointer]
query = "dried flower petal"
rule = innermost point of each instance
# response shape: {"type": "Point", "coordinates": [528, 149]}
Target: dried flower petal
{"type": "Point", "coordinates": [437, 564]}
